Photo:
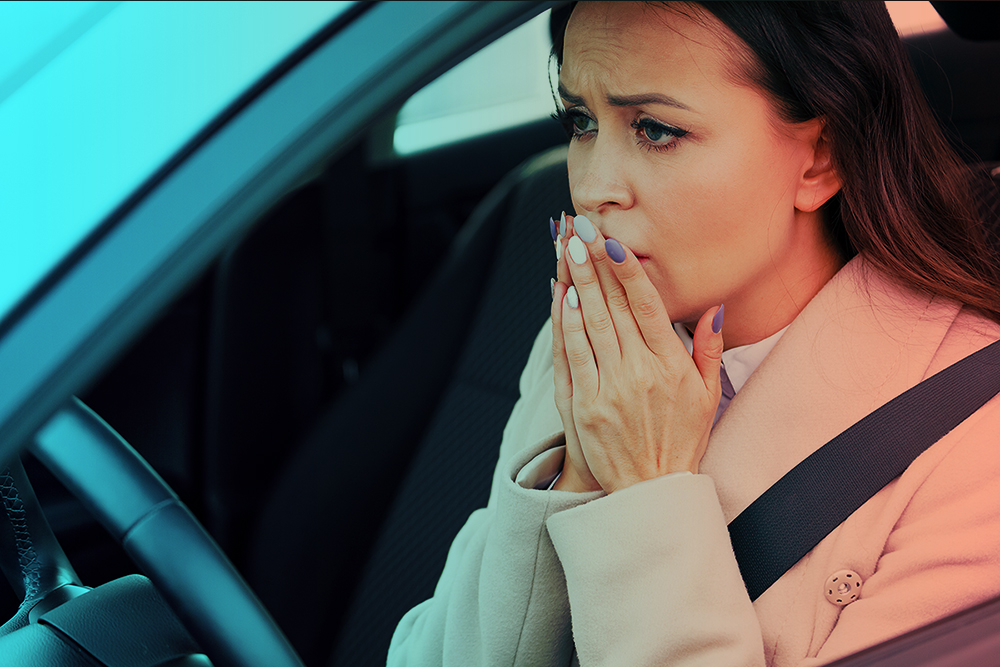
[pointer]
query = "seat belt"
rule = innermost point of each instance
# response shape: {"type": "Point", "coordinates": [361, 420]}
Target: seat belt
{"type": "Point", "coordinates": [817, 495]}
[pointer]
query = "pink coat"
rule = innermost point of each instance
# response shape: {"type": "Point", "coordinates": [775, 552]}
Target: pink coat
{"type": "Point", "coordinates": [646, 576]}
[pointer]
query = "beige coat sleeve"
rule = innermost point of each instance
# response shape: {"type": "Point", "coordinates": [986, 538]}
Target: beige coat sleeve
{"type": "Point", "coordinates": [652, 579]}
{"type": "Point", "coordinates": [501, 599]}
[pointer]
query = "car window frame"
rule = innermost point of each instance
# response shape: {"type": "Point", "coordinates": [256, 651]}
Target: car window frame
{"type": "Point", "coordinates": [164, 236]}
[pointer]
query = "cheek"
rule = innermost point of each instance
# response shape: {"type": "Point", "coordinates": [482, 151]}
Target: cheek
{"type": "Point", "coordinates": [698, 206]}
{"type": "Point", "coordinates": [733, 197]}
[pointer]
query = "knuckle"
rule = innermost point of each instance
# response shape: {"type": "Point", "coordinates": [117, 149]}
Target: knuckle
{"type": "Point", "coordinates": [629, 271]}
{"type": "Point", "coordinates": [645, 384]}
{"type": "Point", "coordinates": [617, 298]}
{"type": "Point", "coordinates": [573, 324]}
{"type": "Point", "coordinates": [646, 305]}
{"type": "Point", "coordinates": [594, 418]}
{"type": "Point", "coordinates": [601, 323]}
{"type": "Point", "coordinates": [587, 280]}
{"type": "Point", "coordinates": [713, 353]}
{"type": "Point", "coordinates": [578, 357]}
{"type": "Point", "coordinates": [585, 414]}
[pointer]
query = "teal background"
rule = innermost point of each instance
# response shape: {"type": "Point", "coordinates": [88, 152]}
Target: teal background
{"type": "Point", "coordinates": [95, 96]}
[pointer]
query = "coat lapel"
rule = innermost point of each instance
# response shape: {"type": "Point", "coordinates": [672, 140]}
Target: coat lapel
{"type": "Point", "coordinates": [860, 342]}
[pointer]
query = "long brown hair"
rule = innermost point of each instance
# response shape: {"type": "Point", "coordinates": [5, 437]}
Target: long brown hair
{"type": "Point", "coordinates": [905, 202]}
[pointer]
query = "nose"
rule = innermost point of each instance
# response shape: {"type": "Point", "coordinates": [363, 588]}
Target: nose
{"type": "Point", "coordinates": [598, 177]}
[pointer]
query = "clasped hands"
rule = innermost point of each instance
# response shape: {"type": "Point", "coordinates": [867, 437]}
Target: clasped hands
{"type": "Point", "coordinates": [634, 404]}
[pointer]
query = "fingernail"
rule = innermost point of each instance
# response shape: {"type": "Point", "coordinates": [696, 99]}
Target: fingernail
{"type": "Point", "coordinates": [562, 224]}
{"type": "Point", "coordinates": [572, 298]}
{"type": "Point", "coordinates": [552, 288]}
{"type": "Point", "coordinates": [584, 228]}
{"type": "Point", "coordinates": [558, 247]}
{"type": "Point", "coordinates": [717, 320]}
{"type": "Point", "coordinates": [552, 228]}
{"type": "Point", "coordinates": [577, 250]}
{"type": "Point", "coordinates": [615, 251]}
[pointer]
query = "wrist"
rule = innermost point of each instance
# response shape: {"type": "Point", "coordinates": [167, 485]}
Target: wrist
{"type": "Point", "coordinates": [571, 480]}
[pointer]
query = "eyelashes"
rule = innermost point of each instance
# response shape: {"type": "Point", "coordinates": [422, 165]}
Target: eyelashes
{"type": "Point", "coordinates": [653, 131]}
{"type": "Point", "coordinates": [572, 120]}
{"type": "Point", "coordinates": [650, 134]}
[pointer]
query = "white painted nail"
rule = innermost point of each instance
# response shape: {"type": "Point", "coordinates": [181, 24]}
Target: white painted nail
{"type": "Point", "coordinates": [584, 228]}
{"type": "Point", "coordinates": [562, 223]}
{"type": "Point", "coordinates": [572, 298]}
{"type": "Point", "coordinates": [552, 288]}
{"type": "Point", "coordinates": [559, 247]}
{"type": "Point", "coordinates": [577, 250]}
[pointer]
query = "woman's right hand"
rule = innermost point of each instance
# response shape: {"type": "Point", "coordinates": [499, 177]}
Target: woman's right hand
{"type": "Point", "coordinates": [576, 475]}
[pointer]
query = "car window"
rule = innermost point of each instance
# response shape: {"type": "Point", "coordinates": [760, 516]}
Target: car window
{"type": "Point", "coordinates": [507, 84]}
{"type": "Point", "coordinates": [502, 86]}
{"type": "Point", "coordinates": [117, 99]}
{"type": "Point", "coordinates": [911, 18]}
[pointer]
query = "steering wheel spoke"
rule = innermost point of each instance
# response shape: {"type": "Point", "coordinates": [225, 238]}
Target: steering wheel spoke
{"type": "Point", "coordinates": [187, 568]}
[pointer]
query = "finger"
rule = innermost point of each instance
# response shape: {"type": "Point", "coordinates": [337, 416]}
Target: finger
{"type": "Point", "coordinates": [563, 227]}
{"type": "Point", "coordinates": [614, 292]}
{"type": "Point", "coordinates": [645, 302]}
{"type": "Point", "coordinates": [563, 379]}
{"type": "Point", "coordinates": [708, 345]}
{"type": "Point", "coordinates": [579, 354]}
{"type": "Point", "coordinates": [600, 328]}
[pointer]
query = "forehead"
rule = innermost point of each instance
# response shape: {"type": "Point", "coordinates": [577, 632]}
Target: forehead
{"type": "Point", "coordinates": [648, 44]}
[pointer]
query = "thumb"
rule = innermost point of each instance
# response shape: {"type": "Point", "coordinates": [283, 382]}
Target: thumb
{"type": "Point", "coordinates": [707, 353]}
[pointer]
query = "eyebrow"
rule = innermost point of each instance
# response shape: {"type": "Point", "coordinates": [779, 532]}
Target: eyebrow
{"type": "Point", "coordinates": [639, 100]}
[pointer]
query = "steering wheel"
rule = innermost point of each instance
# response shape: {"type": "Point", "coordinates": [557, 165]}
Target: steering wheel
{"type": "Point", "coordinates": [187, 568]}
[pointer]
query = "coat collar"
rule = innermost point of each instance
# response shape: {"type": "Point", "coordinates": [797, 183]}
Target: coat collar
{"type": "Point", "coordinates": [860, 342]}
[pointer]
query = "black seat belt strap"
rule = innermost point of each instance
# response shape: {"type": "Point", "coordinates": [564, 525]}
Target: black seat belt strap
{"type": "Point", "coordinates": [817, 495]}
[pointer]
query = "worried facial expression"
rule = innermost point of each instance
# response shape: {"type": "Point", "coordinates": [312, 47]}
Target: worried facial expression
{"type": "Point", "coordinates": [689, 167]}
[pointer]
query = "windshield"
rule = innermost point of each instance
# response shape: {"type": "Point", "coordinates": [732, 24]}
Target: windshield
{"type": "Point", "coordinates": [95, 97]}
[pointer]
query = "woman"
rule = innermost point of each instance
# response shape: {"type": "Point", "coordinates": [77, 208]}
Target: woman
{"type": "Point", "coordinates": [778, 159]}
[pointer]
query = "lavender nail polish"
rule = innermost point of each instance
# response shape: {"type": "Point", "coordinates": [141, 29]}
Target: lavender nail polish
{"type": "Point", "coordinates": [584, 228]}
{"type": "Point", "coordinates": [717, 320]}
{"type": "Point", "coordinates": [552, 228]}
{"type": "Point", "coordinates": [615, 251]}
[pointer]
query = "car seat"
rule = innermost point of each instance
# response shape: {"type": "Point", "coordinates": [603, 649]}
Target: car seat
{"type": "Point", "coordinates": [432, 406]}
{"type": "Point", "coordinates": [955, 75]}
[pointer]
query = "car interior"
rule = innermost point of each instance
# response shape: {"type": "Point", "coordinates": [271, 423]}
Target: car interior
{"type": "Point", "coordinates": [328, 397]}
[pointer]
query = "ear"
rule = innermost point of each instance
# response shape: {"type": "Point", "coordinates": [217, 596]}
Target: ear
{"type": "Point", "coordinates": [819, 180]}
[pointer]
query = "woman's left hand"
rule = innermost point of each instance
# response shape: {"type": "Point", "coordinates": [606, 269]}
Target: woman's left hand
{"type": "Point", "coordinates": [643, 406]}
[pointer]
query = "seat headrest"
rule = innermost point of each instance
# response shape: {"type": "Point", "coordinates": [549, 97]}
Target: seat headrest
{"type": "Point", "coordinates": [977, 21]}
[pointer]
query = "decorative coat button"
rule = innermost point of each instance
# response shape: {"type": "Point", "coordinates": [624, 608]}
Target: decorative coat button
{"type": "Point", "coordinates": [843, 587]}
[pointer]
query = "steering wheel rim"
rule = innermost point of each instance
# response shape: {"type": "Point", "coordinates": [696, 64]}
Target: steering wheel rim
{"type": "Point", "coordinates": [190, 571]}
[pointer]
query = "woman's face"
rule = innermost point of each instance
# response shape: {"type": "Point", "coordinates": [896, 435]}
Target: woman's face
{"type": "Point", "coordinates": [689, 169]}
